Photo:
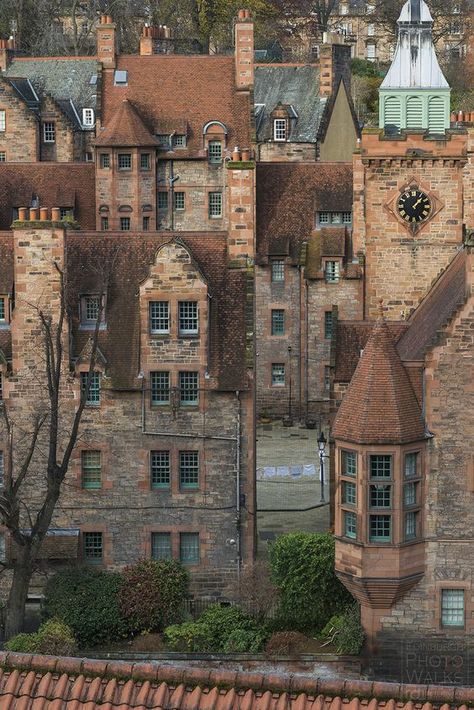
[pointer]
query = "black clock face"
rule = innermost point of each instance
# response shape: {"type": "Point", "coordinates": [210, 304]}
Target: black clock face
{"type": "Point", "coordinates": [414, 206]}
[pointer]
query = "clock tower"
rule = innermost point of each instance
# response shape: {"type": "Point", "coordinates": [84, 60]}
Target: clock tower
{"type": "Point", "coordinates": [408, 176]}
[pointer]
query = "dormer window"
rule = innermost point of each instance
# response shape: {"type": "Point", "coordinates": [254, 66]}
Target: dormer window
{"type": "Point", "coordinates": [90, 310]}
{"type": "Point", "coordinates": [214, 152]}
{"type": "Point", "coordinates": [332, 272]}
{"type": "Point", "coordinates": [88, 118]}
{"type": "Point", "coordinates": [326, 219]}
{"type": "Point", "coordinates": [4, 311]}
{"type": "Point", "coordinates": [280, 129]}
{"type": "Point", "coordinates": [179, 140]}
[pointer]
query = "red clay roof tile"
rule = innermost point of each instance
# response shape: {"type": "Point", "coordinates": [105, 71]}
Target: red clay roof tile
{"type": "Point", "coordinates": [126, 128]}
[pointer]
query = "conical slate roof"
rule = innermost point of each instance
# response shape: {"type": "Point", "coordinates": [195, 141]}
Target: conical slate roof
{"type": "Point", "coordinates": [126, 129]}
{"type": "Point", "coordinates": [380, 406]}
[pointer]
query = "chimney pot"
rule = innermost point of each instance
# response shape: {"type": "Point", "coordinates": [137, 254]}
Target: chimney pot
{"type": "Point", "coordinates": [236, 154]}
{"type": "Point", "coordinates": [109, 19]}
{"type": "Point", "coordinates": [55, 214]}
{"type": "Point", "coordinates": [241, 15]}
{"type": "Point", "coordinates": [44, 214]}
{"type": "Point", "coordinates": [23, 214]}
{"type": "Point", "coordinates": [33, 214]}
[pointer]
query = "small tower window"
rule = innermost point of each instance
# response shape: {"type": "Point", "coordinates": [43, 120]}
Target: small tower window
{"type": "Point", "coordinates": [392, 112]}
{"type": "Point", "coordinates": [280, 129]}
{"type": "Point", "coordinates": [88, 117]}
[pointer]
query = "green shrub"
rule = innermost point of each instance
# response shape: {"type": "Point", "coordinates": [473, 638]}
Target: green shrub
{"type": "Point", "coordinates": [87, 599]}
{"type": "Point", "coordinates": [245, 641]}
{"type": "Point", "coordinates": [53, 638]}
{"type": "Point", "coordinates": [345, 631]}
{"type": "Point", "coordinates": [153, 593]}
{"type": "Point", "coordinates": [302, 567]}
{"type": "Point", "coordinates": [224, 620]}
{"type": "Point", "coordinates": [189, 637]}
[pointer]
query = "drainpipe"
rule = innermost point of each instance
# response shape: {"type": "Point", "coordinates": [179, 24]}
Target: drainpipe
{"type": "Point", "coordinates": [237, 486]}
{"type": "Point", "coordinates": [301, 348]}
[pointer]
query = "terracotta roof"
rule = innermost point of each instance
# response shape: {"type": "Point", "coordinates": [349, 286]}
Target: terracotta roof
{"type": "Point", "coordinates": [32, 682]}
{"type": "Point", "coordinates": [134, 253]}
{"type": "Point", "coordinates": [172, 88]}
{"type": "Point", "coordinates": [351, 339]}
{"type": "Point", "coordinates": [444, 298]}
{"type": "Point", "coordinates": [126, 128]}
{"type": "Point", "coordinates": [328, 241]}
{"type": "Point", "coordinates": [290, 194]}
{"type": "Point", "coordinates": [56, 184]}
{"type": "Point", "coordinates": [380, 406]}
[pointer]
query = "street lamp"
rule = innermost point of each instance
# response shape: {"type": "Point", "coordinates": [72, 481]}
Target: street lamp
{"type": "Point", "coordinates": [321, 446]}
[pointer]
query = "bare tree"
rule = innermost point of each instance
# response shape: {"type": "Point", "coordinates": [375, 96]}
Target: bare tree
{"type": "Point", "coordinates": [29, 498]}
{"type": "Point", "coordinates": [310, 16]}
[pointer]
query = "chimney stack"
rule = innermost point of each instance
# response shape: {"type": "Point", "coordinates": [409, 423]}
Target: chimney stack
{"type": "Point", "coordinates": [335, 63]}
{"type": "Point", "coordinates": [7, 48]}
{"type": "Point", "coordinates": [155, 40]}
{"type": "Point", "coordinates": [244, 50]}
{"type": "Point", "coordinates": [106, 42]}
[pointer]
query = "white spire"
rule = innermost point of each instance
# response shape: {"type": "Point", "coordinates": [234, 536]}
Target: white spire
{"type": "Point", "coordinates": [415, 65]}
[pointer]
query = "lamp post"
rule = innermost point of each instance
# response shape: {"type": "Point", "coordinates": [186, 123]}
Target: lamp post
{"type": "Point", "coordinates": [321, 447]}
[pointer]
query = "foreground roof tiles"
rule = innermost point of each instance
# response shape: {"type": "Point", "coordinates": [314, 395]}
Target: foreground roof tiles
{"type": "Point", "coordinates": [126, 129]}
{"type": "Point", "coordinates": [30, 682]}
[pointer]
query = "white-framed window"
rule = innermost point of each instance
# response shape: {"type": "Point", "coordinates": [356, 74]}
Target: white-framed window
{"type": "Point", "coordinates": [179, 200]}
{"type": "Point", "coordinates": [189, 548]}
{"type": "Point", "coordinates": [91, 469]}
{"type": "Point", "coordinates": [188, 469]}
{"type": "Point", "coordinates": [188, 388]}
{"type": "Point", "coordinates": [188, 319]}
{"type": "Point", "coordinates": [370, 52]}
{"type": "Point", "coordinates": [332, 272]}
{"type": "Point", "coordinates": [93, 396]}
{"type": "Point", "coordinates": [160, 387]}
{"type": "Point", "coordinates": [159, 317]}
{"type": "Point", "coordinates": [3, 120]}
{"type": "Point", "coordinates": [163, 139]}
{"type": "Point", "coordinates": [214, 152]}
{"type": "Point", "coordinates": [279, 129]}
{"type": "Point", "coordinates": [161, 546]}
{"type": "Point", "coordinates": [92, 547]}
{"type": "Point", "coordinates": [278, 374]}
{"type": "Point", "coordinates": [3, 309]}
{"type": "Point", "coordinates": [326, 218]}
{"type": "Point", "coordinates": [88, 118]}
{"type": "Point", "coordinates": [370, 30]}
{"type": "Point", "coordinates": [179, 140]}
{"type": "Point", "coordinates": [160, 469]}
{"type": "Point", "coordinates": [215, 204]}
{"type": "Point", "coordinates": [49, 132]}
{"type": "Point", "coordinates": [452, 608]}
{"type": "Point", "coordinates": [343, 8]}
{"type": "Point", "coordinates": [90, 309]}
{"type": "Point", "coordinates": [124, 161]}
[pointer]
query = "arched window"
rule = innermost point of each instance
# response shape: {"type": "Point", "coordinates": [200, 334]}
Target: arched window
{"type": "Point", "coordinates": [392, 112]}
{"type": "Point", "coordinates": [414, 112]}
{"type": "Point", "coordinates": [215, 139]}
{"type": "Point", "coordinates": [436, 121]}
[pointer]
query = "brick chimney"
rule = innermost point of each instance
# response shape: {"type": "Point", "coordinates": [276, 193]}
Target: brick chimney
{"type": "Point", "coordinates": [335, 62]}
{"type": "Point", "coordinates": [244, 50]}
{"type": "Point", "coordinates": [106, 42]}
{"type": "Point", "coordinates": [156, 40]}
{"type": "Point", "coordinates": [7, 47]}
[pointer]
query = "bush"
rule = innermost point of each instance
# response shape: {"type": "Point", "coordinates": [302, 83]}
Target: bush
{"type": "Point", "coordinates": [221, 621]}
{"type": "Point", "coordinates": [286, 643]}
{"type": "Point", "coordinates": [303, 570]}
{"type": "Point", "coordinates": [87, 599]}
{"type": "Point", "coordinates": [190, 637]}
{"type": "Point", "coordinates": [153, 593]}
{"type": "Point", "coordinates": [255, 591]}
{"type": "Point", "coordinates": [53, 638]}
{"type": "Point", "coordinates": [345, 631]}
{"type": "Point", "coordinates": [245, 641]}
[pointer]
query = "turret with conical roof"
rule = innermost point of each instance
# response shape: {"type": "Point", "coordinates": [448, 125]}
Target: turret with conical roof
{"type": "Point", "coordinates": [415, 93]}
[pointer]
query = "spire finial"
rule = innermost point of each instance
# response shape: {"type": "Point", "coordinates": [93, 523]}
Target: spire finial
{"type": "Point", "coordinates": [381, 310]}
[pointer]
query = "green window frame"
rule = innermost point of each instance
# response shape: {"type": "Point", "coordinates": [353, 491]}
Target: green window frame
{"type": "Point", "coordinates": [350, 524]}
{"type": "Point", "coordinates": [91, 469]}
{"type": "Point", "coordinates": [161, 546]}
{"type": "Point", "coordinates": [162, 200]}
{"type": "Point", "coordinates": [188, 389]}
{"type": "Point", "coordinates": [411, 464]}
{"type": "Point", "coordinates": [410, 494]}
{"type": "Point", "coordinates": [160, 469]}
{"type": "Point", "coordinates": [328, 325]}
{"type": "Point", "coordinates": [411, 525]}
{"type": "Point", "coordinates": [93, 547]}
{"type": "Point", "coordinates": [93, 395]}
{"type": "Point", "coordinates": [278, 321]}
{"type": "Point", "coordinates": [189, 470]}
{"type": "Point", "coordinates": [380, 466]}
{"type": "Point", "coordinates": [160, 387]}
{"type": "Point", "coordinates": [278, 270]}
{"type": "Point", "coordinates": [453, 608]}
{"type": "Point", "coordinates": [380, 528]}
{"type": "Point", "coordinates": [189, 548]}
{"type": "Point", "coordinates": [349, 463]}
{"type": "Point", "coordinates": [214, 152]}
{"type": "Point", "coordinates": [349, 493]}
{"type": "Point", "coordinates": [380, 495]}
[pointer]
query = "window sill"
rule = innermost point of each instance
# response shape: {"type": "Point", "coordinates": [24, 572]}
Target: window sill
{"type": "Point", "coordinates": [188, 336]}
{"type": "Point", "coordinates": [160, 334]}
{"type": "Point", "coordinates": [4, 326]}
{"type": "Point", "coordinates": [91, 326]}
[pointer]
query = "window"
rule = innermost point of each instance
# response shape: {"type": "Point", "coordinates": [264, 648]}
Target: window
{"type": "Point", "coordinates": [87, 116]}
{"type": "Point", "coordinates": [66, 213]}
{"type": "Point", "coordinates": [93, 396]}
{"type": "Point", "coordinates": [410, 494]}
{"type": "Point", "coordinates": [370, 52]}
{"type": "Point", "coordinates": [380, 496]}
{"type": "Point", "coordinates": [120, 77]}
{"type": "Point", "coordinates": [324, 218]}
{"type": "Point", "coordinates": [161, 546]}
{"type": "Point", "coordinates": [411, 525]}
{"type": "Point", "coordinates": [349, 495]}
{"type": "Point", "coordinates": [90, 309]}
{"type": "Point", "coordinates": [92, 547]}
{"type": "Point", "coordinates": [328, 324]}
{"type": "Point", "coordinates": [49, 132]}
{"type": "Point", "coordinates": [331, 272]}
{"type": "Point", "coordinates": [2, 470]}
{"type": "Point", "coordinates": [146, 224]}
{"type": "Point", "coordinates": [411, 465]}
{"type": "Point", "coordinates": [349, 463]}
{"type": "Point", "coordinates": [178, 140]}
{"type": "Point", "coordinates": [327, 378]}
{"type": "Point", "coordinates": [159, 317]}
{"type": "Point", "coordinates": [160, 387]}
{"type": "Point", "coordinates": [380, 466]}
{"type": "Point", "coordinates": [188, 469]}
{"type": "Point", "coordinates": [145, 161]}
{"type": "Point", "coordinates": [189, 548]}
{"type": "Point", "coordinates": [279, 129]}
{"type": "Point", "coordinates": [104, 223]}
{"type": "Point", "coordinates": [371, 30]}
{"type": "Point", "coordinates": [452, 607]}
{"type": "Point", "coordinates": [164, 140]}
{"type": "Point", "coordinates": [91, 469]}
{"type": "Point", "coordinates": [3, 121]}
{"type": "Point", "coordinates": [380, 528]}
{"type": "Point", "coordinates": [188, 318]}
{"type": "Point", "coordinates": [89, 158]}
{"type": "Point", "coordinates": [278, 322]}
{"type": "Point", "coordinates": [214, 152]}
{"type": "Point", "coordinates": [215, 204]}
{"type": "Point", "coordinates": [188, 388]}
{"type": "Point", "coordinates": [3, 310]}
{"type": "Point", "coordinates": [3, 549]}
{"type": "Point", "coordinates": [178, 200]}
{"type": "Point", "coordinates": [278, 375]}
{"type": "Point", "coordinates": [160, 469]}
{"type": "Point", "coordinates": [278, 270]}
{"type": "Point", "coordinates": [105, 160]}
{"type": "Point", "coordinates": [347, 218]}
{"type": "Point", "coordinates": [350, 524]}
{"type": "Point", "coordinates": [124, 161]}
{"type": "Point", "coordinates": [125, 224]}
{"type": "Point", "coordinates": [3, 156]}
{"type": "Point", "coordinates": [162, 200]}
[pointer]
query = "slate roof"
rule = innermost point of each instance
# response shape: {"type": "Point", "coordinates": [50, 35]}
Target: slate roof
{"type": "Point", "coordinates": [134, 253]}
{"type": "Point", "coordinates": [56, 184]}
{"type": "Point", "coordinates": [288, 197]}
{"type": "Point", "coordinates": [39, 682]}
{"type": "Point", "coordinates": [292, 85]}
{"type": "Point", "coordinates": [170, 88]}
{"type": "Point", "coordinates": [65, 79]}
{"type": "Point", "coordinates": [126, 129]}
{"type": "Point", "coordinates": [445, 297]}
{"type": "Point", "coordinates": [380, 406]}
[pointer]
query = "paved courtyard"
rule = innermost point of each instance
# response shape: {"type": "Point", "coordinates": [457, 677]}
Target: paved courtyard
{"type": "Point", "coordinates": [288, 483]}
